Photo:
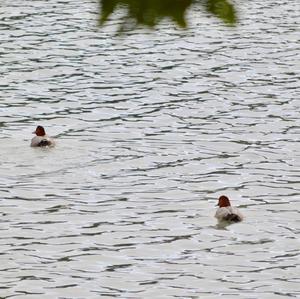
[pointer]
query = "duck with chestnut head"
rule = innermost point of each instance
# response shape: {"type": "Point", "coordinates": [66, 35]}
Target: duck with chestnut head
{"type": "Point", "coordinates": [41, 139]}
{"type": "Point", "coordinates": [227, 213]}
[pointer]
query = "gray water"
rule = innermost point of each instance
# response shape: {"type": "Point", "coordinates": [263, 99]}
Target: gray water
{"type": "Point", "coordinates": [151, 127]}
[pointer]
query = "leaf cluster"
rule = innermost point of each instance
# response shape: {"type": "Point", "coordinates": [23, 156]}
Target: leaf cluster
{"type": "Point", "coordinates": [150, 12]}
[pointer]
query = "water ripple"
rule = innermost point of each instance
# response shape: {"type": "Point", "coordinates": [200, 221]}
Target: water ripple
{"type": "Point", "coordinates": [151, 128]}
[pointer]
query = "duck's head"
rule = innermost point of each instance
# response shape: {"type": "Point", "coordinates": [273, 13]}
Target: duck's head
{"type": "Point", "coordinates": [223, 201]}
{"type": "Point", "coordinates": [39, 131]}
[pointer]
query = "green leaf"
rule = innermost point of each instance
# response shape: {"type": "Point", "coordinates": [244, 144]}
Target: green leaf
{"type": "Point", "coordinates": [223, 10]}
{"type": "Point", "coordinates": [150, 12]}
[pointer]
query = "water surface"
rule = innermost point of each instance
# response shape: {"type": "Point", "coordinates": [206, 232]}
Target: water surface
{"type": "Point", "coordinates": [151, 128]}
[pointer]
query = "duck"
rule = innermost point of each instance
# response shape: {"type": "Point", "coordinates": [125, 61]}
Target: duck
{"type": "Point", "coordinates": [227, 213]}
{"type": "Point", "coordinates": [41, 139]}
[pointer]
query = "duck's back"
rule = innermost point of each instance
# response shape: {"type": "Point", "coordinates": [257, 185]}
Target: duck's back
{"type": "Point", "coordinates": [40, 141]}
{"type": "Point", "coordinates": [228, 214]}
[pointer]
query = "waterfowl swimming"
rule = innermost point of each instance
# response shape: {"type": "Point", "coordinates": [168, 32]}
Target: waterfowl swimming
{"type": "Point", "coordinates": [226, 212]}
{"type": "Point", "coordinates": [41, 139]}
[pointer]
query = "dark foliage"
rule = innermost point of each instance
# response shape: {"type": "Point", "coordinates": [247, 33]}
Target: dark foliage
{"type": "Point", "coordinates": [151, 12]}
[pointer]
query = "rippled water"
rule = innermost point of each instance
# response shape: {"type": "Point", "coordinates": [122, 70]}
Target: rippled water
{"type": "Point", "coordinates": [151, 128]}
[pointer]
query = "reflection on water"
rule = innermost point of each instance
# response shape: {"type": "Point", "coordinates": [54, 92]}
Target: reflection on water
{"type": "Point", "coordinates": [151, 128]}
